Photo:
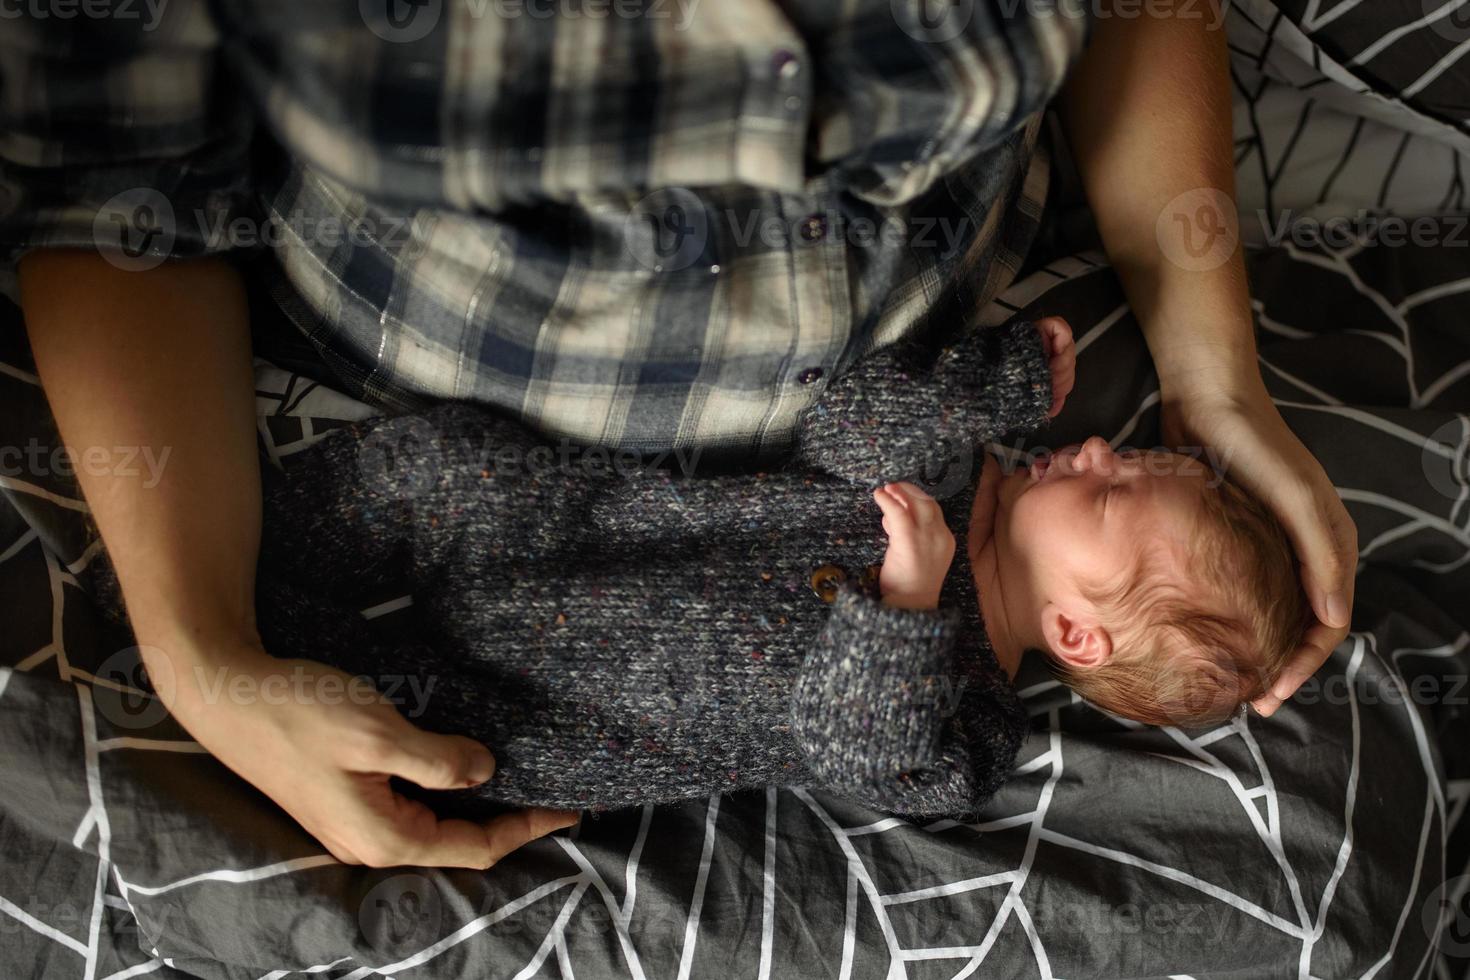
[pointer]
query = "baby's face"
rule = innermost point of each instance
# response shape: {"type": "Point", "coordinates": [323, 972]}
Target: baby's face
{"type": "Point", "coordinates": [1079, 515]}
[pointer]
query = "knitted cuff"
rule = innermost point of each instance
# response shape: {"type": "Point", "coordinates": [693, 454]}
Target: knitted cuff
{"type": "Point", "coordinates": [1005, 374]}
{"type": "Point", "coordinates": [906, 412]}
{"type": "Point", "coordinates": [870, 699]}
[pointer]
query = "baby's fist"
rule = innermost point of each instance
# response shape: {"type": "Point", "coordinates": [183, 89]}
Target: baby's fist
{"type": "Point", "coordinates": [1061, 357]}
{"type": "Point", "coordinates": [920, 547]}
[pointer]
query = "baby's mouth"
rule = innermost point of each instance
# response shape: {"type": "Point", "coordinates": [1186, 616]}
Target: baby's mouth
{"type": "Point", "coordinates": [1039, 467]}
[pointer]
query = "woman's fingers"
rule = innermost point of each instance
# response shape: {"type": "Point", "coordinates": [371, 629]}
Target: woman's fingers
{"type": "Point", "coordinates": [434, 761]}
{"type": "Point", "coordinates": [1327, 543]}
{"type": "Point", "coordinates": [509, 831]}
{"type": "Point", "coordinates": [1316, 647]}
{"type": "Point", "coordinates": [1327, 546]}
{"type": "Point", "coordinates": [467, 844]}
{"type": "Point", "coordinates": [412, 834]}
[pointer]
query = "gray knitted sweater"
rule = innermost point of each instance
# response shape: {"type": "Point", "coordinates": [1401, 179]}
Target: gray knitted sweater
{"type": "Point", "coordinates": [621, 635]}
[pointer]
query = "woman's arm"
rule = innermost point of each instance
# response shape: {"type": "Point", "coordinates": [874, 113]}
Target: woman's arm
{"type": "Point", "coordinates": [161, 358]}
{"type": "Point", "coordinates": [1148, 115]}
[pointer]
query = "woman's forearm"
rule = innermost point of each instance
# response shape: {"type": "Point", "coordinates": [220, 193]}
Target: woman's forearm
{"type": "Point", "coordinates": [1148, 115]}
{"type": "Point", "coordinates": [158, 360]}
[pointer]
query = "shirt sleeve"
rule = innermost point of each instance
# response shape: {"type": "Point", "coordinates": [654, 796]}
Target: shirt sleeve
{"type": "Point", "coordinates": [123, 134]}
{"type": "Point", "coordinates": [908, 410]}
{"type": "Point", "coordinates": [888, 712]}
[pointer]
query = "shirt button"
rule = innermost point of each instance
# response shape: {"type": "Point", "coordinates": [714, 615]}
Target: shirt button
{"type": "Point", "coordinates": [808, 375]}
{"type": "Point", "coordinates": [826, 581]}
{"type": "Point", "coordinates": [814, 227]}
{"type": "Point", "coordinates": [785, 64]}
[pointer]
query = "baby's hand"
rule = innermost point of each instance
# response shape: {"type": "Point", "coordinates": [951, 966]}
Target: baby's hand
{"type": "Point", "coordinates": [920, 547]}
{"type": "Point", "coordinates": [1061, 355]}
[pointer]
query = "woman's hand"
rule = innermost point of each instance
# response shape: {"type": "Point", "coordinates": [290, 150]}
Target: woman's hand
{"type": "Point", "coordinates": [125, 361]}
{"type": "Point", "coordinates": [920, 547]}
{"type": "Point", "coordinates": [1257, 450]}
{"type": "Point", "coordinates": [1061, 356]}
{"type": "Point", "coordinates": [322, 744]}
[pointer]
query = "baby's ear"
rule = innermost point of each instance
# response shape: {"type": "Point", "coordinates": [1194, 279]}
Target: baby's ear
{"type": "Point", "coordinates": [1076, 640]}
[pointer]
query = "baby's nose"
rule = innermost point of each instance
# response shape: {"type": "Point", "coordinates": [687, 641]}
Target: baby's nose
{"type": "Point", "coordinates": [1096, 454]}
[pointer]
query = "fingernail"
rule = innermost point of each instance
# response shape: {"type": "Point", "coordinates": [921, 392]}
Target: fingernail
{"type": "Point", "coordinates": [1337, 609]}
{"type": "Point", "coordinates": [482, 767]}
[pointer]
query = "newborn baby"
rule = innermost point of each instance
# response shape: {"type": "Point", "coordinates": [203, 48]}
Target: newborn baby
{"type": "Point", "coordinates": [1159, 590]}
{"type": "Point", "coordinates": [620, 637]}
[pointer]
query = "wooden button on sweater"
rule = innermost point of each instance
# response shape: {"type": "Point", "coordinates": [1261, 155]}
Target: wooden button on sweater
{"type": "Point", "coordinates": [825, 581]}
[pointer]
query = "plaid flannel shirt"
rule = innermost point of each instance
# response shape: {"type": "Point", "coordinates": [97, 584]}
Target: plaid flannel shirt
{"type": "Point", "coordinates": [648, 224]}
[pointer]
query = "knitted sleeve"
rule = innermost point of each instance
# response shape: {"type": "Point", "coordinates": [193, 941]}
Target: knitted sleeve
{"type": "Point", "coordinates": [888, 712]}
{"type": "Point", "coordinates": [906, 410]}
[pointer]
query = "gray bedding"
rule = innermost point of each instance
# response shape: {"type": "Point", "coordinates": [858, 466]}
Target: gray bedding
{"type": "Point", "coordinates": [1316, 843]}
{"type": "Point", "coordinates": [1328, 841]}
